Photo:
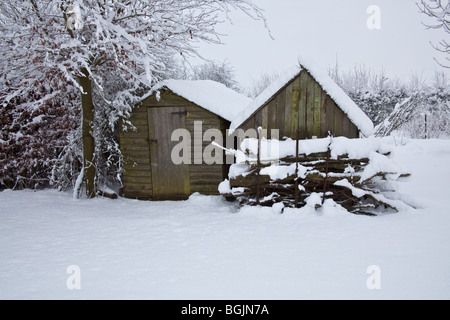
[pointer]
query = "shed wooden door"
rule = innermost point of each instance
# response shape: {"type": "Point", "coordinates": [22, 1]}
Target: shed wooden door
{"type": "Point", "coordinates": [170, 181]}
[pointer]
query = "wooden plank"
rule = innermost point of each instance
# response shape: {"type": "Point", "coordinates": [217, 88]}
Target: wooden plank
{"type": "Point", "coordinates": [287, 128]}
{"type": "Point", "coordinates": [134, 134]}
{"type": "Point", "coordinates": [212, 176]}
{"type": "Point", "coordinates": [354, 132]}
{"type": "Point", "coordinates": [346, 126]}
{"type": "Point", "coordinates": [145, 180]}
{"type": "Point", "coordinates": [338, 115]}
{"type": "Point", "coordinates": [193, 109]}
{"type": "Point", "coordinates": [215, 178]}
{"type": "Point", "coordinates": [136, 167]}
{"type": "Point", "coordinates": [310, 86]}
{"type": "Point", "coordinates": [294, 107]}
{"type": "Point", "coordinates": [139, 160]}
{"type": "Point", "coordinates": [250, 124]}
{"type": "Point", "coordinates": [205, 189]}
{"type": "Point", "coordinates": [302, 105]}
{"type": "Point", "coordinates": [203, 117]}
{"type": "Point", "coordinates": [210, 182]}
{"type": "Point", "coordinates": [317, 109]}
{"type": "Point", "coordinates": [329, 115]}
{"type": "Point", "coordinates": [258, 119]}
{"type": "Point", "coordinates": [136, 173]}
{"type": "Point", "coordinates": [136, 194]}
{"type": "Point", "coordinates": [136, 186]}
{"type": "Point", "coordinates": [272, 114]}
{"type": "Point", "coordinates": [323, 116]}
{"type": "Point", "coordinates": [130, 148]}
{"type": "Point", "coordinates": [136, 191]}
{"type": "Point", "coordinates": [265, 117]}
{"type": "Point", "coordinates": [281, 107]}
{"type": "Point", "coordinates": [204, 168]}
{"type": "Point", "coordinates": [136, 142]}
{"type": "Point", "coordinates": [200, 113]}
{"type": "Point", "coordinates": [140, 153]}
{"type": "Point", "coordinates": [224, 125]}
{"type": "Point", "coordinates": [139, 123]}
{"type": "Point", "coordinates": [138, 116]}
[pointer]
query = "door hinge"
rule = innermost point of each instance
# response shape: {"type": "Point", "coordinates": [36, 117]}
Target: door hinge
{"type": "Point", "coordinates": [180, 112]}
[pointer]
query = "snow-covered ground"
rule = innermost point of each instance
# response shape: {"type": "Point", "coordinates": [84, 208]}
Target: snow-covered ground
{"type": "Point", "coordinates": [203, 249]}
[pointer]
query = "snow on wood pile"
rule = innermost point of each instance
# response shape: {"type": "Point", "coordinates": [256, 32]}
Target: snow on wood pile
{"type": "Point", "coordinates": [356, 173]}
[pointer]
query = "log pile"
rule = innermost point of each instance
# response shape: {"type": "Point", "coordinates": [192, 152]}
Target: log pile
{"type": "Point", "coordinates": [311, 179]}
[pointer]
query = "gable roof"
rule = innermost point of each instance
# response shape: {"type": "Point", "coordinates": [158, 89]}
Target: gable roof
{"type": "Point", "coordinates": [342, 100]}
{"type": "Point", "coordinates": [210, 95]}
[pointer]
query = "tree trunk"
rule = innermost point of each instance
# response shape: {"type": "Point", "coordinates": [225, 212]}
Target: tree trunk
{"type": "Point", "coordinates": [88, 139]}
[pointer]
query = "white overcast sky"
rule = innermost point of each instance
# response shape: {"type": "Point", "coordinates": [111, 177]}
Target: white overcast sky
{"type": "Point", "coordinates": [327, 29]}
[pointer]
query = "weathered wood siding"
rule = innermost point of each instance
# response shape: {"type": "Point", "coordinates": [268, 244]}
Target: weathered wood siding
{"type": "Point", "coordinates": [302, 104]}
{"type": "Point", "coordinates": [136, 148]}
{"type": "Point", "coordinates": [137, 175]}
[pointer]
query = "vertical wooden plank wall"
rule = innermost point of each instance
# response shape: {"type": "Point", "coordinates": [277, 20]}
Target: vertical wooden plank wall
{"type": "Point", "coordinates": [310, 86]}
{"type": "Point", "coordinates": [137, 177]}
{"type": "Point", "coordinates": [302, 104]}
{"type": "Point", "coordinates": [204, 178]}
{"type": "Point", "coordinates": [317, 109]}
{"type": "Point", "coordinates": [295, 105]}
{"type": "Point", "coordinates": [288, 102]}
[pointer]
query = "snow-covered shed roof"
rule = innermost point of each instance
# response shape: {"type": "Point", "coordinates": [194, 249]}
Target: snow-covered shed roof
{"type": "Point", "coordinates": [210, 95]}
{"type": "Point", "coordinates": [342, 100]}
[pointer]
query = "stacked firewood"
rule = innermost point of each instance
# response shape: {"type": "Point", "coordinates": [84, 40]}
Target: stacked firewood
{"type": "Point", "coordinates": [305, 179]}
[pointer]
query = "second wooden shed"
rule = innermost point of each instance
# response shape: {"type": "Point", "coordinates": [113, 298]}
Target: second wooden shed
{"type": "Point", "coordinates": [306, 99]}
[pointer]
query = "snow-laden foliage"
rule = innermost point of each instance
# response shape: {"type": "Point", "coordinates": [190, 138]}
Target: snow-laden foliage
{"type": "Point", "coordinates": [425, 114]}
{"type": "Point", "coordinates": [222, 72]}
{"type": "Point", "coordinates": [417, 108]}
{"type": "Point", "coordinates": [374, 93]}
{"type": "Point", "coordinates": [123, 47]}
{"type": "Point", "coordinates": [39, 143]}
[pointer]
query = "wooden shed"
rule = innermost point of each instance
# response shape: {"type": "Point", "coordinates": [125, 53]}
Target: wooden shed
{"type": "Point", "coordinates": [305, 98]}
{"type": "Point", "coordinates": [149, 172]}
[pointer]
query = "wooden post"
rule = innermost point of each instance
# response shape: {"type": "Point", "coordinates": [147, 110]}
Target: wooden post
{"type": "Point", "coordinates": [326, 172]}
{"type": "Point", "coordinates": [426, 134]}
{"type": "Point", "coordinates": [258, 166]}
{"type": "Point", "coordinates": [296, 167]}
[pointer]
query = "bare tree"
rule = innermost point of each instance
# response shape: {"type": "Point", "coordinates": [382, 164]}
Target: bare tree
{"type": "Point", "coordinates": [439, 11]}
